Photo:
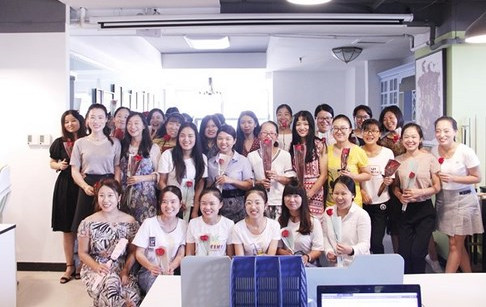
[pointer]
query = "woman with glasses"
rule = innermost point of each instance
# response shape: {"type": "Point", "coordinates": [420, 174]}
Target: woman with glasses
{"type": "Point", "coordinates": [360, 114]}
{"type": "Point", "coordinates": [354, 164]}
{"type": "Point", "coordinates": [324, 114]}
{"type": "Point", "coordinates": [275, 179]}
{"type": "Point", "coordinates": [314, 163]}
{"type": "Point", "coordinates": [375, 205]}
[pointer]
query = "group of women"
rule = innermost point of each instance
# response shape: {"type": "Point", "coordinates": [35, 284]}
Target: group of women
{"type": "Point", "coordinates": [292, 186]}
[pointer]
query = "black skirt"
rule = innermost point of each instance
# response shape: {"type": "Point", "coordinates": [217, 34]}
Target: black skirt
{"type": "Point", "coordinates": [85, 203]}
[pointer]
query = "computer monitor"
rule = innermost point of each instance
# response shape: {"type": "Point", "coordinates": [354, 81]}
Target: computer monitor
{"type": "Point", "coordinates": [369, 296]}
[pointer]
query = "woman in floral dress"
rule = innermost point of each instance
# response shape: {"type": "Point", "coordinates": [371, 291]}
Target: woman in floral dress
{"type": "Point", "coordinates": [105, 275]}
{"type": "Point", "coordinates": [139, 158]}
{"type": "Point", "coordinates": [315, 161]}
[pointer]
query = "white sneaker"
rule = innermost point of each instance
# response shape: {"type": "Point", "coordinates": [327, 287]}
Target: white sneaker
{"type": "Point", "coordinates": [434, 265]}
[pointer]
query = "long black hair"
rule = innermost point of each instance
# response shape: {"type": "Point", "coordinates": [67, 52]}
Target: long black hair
{"type": "Point", "coordinates": [196, 155]}
{"type": "Point", "coordinates": [310, 145]}
{"type": "Point", "coordinates": [305, 226]}
{"type": "Point", "coordinates": [145, 144]}
{"type": "Point", "coordinates": [240, 136]}
{"type": "Point", "coordinates": [66, 135]}
{"type": "Point", "coordinates": [202, 131]}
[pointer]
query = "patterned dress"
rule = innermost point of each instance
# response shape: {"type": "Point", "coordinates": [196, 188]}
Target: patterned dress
{"type": "Point", "coordinates": [311, 174]}
{"type": "Point", "coordinates": [139, 200]}
{"type": "Point", "coordinates": [103, 238]}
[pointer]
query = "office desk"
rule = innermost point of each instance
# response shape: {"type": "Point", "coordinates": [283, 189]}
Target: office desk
{"type": "Point", "coordinates": [166, 291]}
{"type": "Point", "coordinates": [460, 289]}
{"type": "Point", "coordinates": [8, 266]}
{"type": "Point", "coordinates": [438, 290]}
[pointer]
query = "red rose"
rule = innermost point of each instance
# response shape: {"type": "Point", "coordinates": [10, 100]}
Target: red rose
{"type": "Point", "coordinates": [70, 143]}
{"type": "Point", "coordinates": [396, 137]}
{"type": "Point", "coordinates": [188, 184]}
{"type": "Point", "coordinates": [204, 238]}
{"type": "Point", "coordinates": [298, 147]}
{"type": "Point", "coordinates": [411, 175]}
{"type": "Point", "coordinates": [166, 137]}
{"type": "Point", "coordinates": [441, 160]}
{"type": "Point", "coordinates": [285, 233]}
{"type": "Point", "coordinates": [138, 158]}
{"type": "Point", "coordinates": [329, 211]}
{"type": "Point", "coordinates": [159, 251]}
{"type": "Point", "coordinates": [221, 161]}
{"type": "Point", "coordinates": [119, 134]}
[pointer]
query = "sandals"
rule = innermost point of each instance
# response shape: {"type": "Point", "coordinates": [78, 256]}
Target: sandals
{"type": "Point", "coordinates": [64, 279]}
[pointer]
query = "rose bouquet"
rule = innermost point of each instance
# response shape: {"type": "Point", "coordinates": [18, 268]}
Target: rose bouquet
{"type": "Point", "coordinates": [223, 161]}
{"type": "Point", "coordinates": [337, 225]}
{"type": "Point", "coordinates": [68, 146]}
{"type": "Point", "coordinates": [205, 243]}
{"type": "Point", "coordinates": [390, 169]}
{"type": "Point", "coordinates": [411, 179]}
{"type": "Point", "coordinates": [288, 239]}
{"type": "Point", "coordinates": [299, 162]}
{"type": "Point", "coordinates": [344, 158]}
{"type": "Point", "coordinates": [119, 134]}
{"type": "Point", "coordinates": [162, 258]}
{"type": "Point", "coordinates": [132, 168]}
{"type": "Point", "coordinates": [266, 152]}
{"type": "Point", "coordinates": [188, 192]}
{"type": "Point", "coordinates": [117, 251]}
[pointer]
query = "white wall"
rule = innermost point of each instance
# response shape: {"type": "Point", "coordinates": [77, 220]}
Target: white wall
{"type": "Point", "coordinates": [466, 101]}
{"type": "Point", "coordinates": [34, 91]}
{"type": "Point", "coordinates": [306, 90]}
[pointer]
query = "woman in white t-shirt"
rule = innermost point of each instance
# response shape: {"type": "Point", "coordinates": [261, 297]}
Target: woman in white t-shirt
{"type": "Point", "coordinates": [376, 206]}
{"type": "Point", "coordinates": [160, 240]}
{"type": "Point", "coordinates": [256, 234]}
{"type": "Point", "coordinates": [301, 233]}
{"type": "Point", "coordinates": [457, 205]}
{"type": "Point", "coordinates": [210, 234]}
{"type": "Point", "coordinates": [185, 166]}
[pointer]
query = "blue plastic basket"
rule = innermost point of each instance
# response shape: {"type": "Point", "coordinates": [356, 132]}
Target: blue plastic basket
{"type": "Point", "coordinates": [268, 281]}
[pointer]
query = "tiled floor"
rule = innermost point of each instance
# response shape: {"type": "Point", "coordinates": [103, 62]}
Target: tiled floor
{"type": "Point", "coordinates": [42, 289]}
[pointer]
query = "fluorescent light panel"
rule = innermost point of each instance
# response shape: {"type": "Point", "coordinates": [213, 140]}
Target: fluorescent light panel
{"type": "Point", "coordinates": [208, 42]}
{"type": "Point", "coordinates": [308, 2]}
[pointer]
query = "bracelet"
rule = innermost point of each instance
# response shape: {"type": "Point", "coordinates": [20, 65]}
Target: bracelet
{"type": "Point", "coordinates": [352, 252]}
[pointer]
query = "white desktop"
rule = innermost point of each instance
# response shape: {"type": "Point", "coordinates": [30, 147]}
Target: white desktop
{"type": "Point", "coordinates": [438, 290]}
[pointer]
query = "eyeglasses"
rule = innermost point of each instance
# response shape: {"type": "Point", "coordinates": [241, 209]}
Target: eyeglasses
{"type": "Point", "coordinates": [340, 129]}
{"type": "Point", "coordinates": [362, 117]}
{"type": "Point", "coordinates": [327, 119]}
{"type": "Point", "coordinates": [371, 131]}
{"type": "Point", "coordinates": [265, 134]}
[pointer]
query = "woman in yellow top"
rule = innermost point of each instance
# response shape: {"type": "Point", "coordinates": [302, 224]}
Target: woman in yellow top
{"type": "Point", "coordinates": [356, 162]}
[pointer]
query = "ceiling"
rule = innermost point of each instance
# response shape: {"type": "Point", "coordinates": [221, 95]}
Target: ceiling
{"type": "Point", "coordinates": [292, 37]}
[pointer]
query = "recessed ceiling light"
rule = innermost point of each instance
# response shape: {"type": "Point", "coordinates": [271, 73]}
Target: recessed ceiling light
{"type": "Point", "coordinates": [207, 42]}
{"type": "Point", "coordinates": [308, 2]}
{"type": "Point", "coordinates": [476, 32]}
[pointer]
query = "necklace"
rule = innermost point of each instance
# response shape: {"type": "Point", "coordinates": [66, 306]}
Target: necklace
{"type": "Point", "coordinates": [97, 138]}
{"type": "Point", "coordinates": [258, 228]}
